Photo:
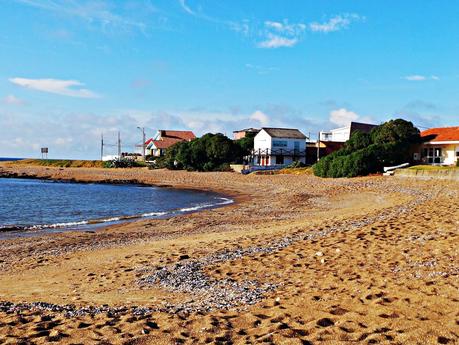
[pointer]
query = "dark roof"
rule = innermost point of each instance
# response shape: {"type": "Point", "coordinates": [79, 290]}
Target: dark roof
{"type": "Point", "coordinates": [184, 135]}
{"type": "Point", "coordinates": [441, 134]}
{"type": "Point", "coordinates": [252, 130]}
{"type": "Point", "coordinates": [290, 133]}
{"type": "Point", "coordinates": [362, 127]}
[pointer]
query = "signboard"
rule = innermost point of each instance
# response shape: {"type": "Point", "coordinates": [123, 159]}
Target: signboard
{"type": "Point", "coordinates": [44, 152]}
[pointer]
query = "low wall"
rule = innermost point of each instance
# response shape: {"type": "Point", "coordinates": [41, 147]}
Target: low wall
{"type": "Point", "coordinates": [446, 174]}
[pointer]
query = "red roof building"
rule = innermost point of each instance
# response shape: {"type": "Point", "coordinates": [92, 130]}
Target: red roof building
{"type": "Point", "coordinates": [449, 134]}
{"type": "Point", "coordinates": [164, 139]}
{"type": "Point", "coordinates": [440, 146]}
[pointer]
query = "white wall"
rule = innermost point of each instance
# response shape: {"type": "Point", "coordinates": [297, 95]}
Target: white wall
{"type": "Point", "coordinates": [263, 141]}
{"type": "Point", "coordinates": [341, 134]}
{"type": "Point", "coordinates": [338, 134]}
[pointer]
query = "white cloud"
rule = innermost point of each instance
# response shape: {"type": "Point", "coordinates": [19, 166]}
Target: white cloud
{"type": "Point", "coordinates": [275, 41]}
{"type": "Point", "coordinates": [342, 117]}
{"type": "Point", "coordinates": [335, 23]}
{"type": "Point", "coordinates": [285, 27]}
{"type": "Point", "coordinates": [56, 86]}
{"type": "Point", "coordinates": [417, 77]}
{"type": "Point", "coordinates": [13, 100]}
{"type": "Point", "coordinates": [261, 117]}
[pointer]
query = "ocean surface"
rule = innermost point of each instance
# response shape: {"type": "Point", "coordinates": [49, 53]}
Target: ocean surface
{"type": "Point", "coordinates": [31, 205]}
{"type": "Point", "coordinates": [11, 159]}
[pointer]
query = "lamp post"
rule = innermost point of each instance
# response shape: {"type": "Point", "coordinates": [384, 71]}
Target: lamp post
{"type": "Point", "coordinates": [143, 141]}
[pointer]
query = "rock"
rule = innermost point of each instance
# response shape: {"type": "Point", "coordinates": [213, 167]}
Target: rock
{"type": "Point", "coordinates": [325, 322]}
{"type": "Point", "coordinates": [319, 254]}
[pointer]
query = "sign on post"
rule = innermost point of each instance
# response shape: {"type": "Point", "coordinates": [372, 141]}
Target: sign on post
{"type": "Point", "coordinates": [44, 152]}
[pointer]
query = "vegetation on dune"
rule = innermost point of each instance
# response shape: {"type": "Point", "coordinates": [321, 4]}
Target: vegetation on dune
{"type": "Point", "coordinates": [61, 163]}
{"type": "Point", "coordinates": [363, 154]}
{"type": "Point", "coordinates": [211, 152]}
{"type": "Point", "coordinates": [433, 167]}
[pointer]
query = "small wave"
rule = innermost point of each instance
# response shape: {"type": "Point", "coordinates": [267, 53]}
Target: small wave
{"type": "Point", "coordinates": [154, 214]}
{"type": "Point", "coordinates": [224, 201]}
{"type": "Point", "coordinates": [221, 201]}
{"type": "Point", "coordinates": [56, 225]}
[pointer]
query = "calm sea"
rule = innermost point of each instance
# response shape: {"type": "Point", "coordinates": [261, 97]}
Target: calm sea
{"type": "Point", "coordinates": [31, 205]}
{"type": "Point", "coordinates": [3, 159]}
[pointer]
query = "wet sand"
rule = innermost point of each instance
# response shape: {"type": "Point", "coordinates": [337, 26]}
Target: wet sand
{"type": "Point", "coordinates": [296, 260]}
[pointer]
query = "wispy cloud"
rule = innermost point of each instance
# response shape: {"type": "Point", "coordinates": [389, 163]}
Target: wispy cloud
{"type": "Point", "coordinates": [275, 41]}
{"type": "Point", "coordinates": [99, 12]}
{"type": "Point", "coordinates": [285, 27]}
{"type": "Point", "coordinates": [418, 77]}
{"type": "Point", "coordinates": [281, 34]}
{"type": "Point", "coordinates": [186, 8]}
{"type": "Point", "coordinates": [336, 23]}
{"type": "Point", "coordinates": [60, 87]}
{"type": "Point", "coordinates": [13, 100]}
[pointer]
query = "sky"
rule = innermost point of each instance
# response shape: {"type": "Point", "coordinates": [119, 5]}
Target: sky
{"type": "Point", "coordinates": [71, 70]}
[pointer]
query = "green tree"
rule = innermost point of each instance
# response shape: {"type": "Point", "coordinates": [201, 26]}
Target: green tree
{"type": "Point", "coordinates": [395, 131]}
{"type": "Point", "coordinates": [363, 154]}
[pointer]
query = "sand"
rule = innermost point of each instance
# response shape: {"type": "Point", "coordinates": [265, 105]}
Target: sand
{"type": "Point", "coordinates": [296, 260]}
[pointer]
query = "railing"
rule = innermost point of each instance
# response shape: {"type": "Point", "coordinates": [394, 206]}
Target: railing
{"type": "Point", "coordinates": [279, 152]}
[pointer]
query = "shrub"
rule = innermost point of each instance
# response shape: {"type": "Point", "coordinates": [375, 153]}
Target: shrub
{"type": "Point", "coordinates": [211, 152]}
{"type": "Point", "coordinates": [363, 154]}
{"type": "Point", "coordinates": [123, 163]}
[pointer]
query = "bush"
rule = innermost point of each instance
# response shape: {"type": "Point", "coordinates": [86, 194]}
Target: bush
{"type": "Point", "coordinates": [211, 152]}
{"type": "Point", "coordinates": [295, 165]}
{"type": "Point", "coordinates": [123, 163]}
{"type": "Point", "coordinates": [363, 154]}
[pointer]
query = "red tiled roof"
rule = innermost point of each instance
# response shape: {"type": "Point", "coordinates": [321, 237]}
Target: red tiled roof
{"type": "Point", "coordinates": [441, 134]}
{"type": "Point", "coordinates": [184, 135]}
{"type": "Point", "coordinates": [166, 142]}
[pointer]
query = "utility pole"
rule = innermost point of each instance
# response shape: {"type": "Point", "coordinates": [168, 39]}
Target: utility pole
{"type": "Point", "coordinates": [318, 146]}
{"type": "Point", "coordinates": [119, 145]}
{"type": "Point", "coordinates": [143, 141]}
{"type": "Point", "coordinates": [102, 146]}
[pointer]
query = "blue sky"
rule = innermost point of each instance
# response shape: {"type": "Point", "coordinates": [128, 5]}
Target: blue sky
{"type": "Point", "coordinates": [70, 70]}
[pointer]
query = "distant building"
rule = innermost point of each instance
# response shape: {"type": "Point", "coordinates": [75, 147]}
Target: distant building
{"type": "Point", "coordinates": [343, 134]}
{"type": "Point", "coordinates": [279, 146]}
{"type": "Point", "coordinates": [244, 132]}
{"type": "Point", "coordinates": [157, 146]}
{"type": "Point", "coordinates": [440, 147]}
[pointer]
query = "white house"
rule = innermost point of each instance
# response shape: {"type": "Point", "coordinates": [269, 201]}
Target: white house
{"type": "Point", "coordinates": [343, 134]}
{"type": "Point", "coordinates": [279, 146]}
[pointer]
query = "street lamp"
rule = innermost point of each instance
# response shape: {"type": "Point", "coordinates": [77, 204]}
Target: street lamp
{"type": "Point", "coordinates": [143, 141]}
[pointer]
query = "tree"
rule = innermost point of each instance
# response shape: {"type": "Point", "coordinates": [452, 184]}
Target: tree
{"type": "Point", "coordinates": [358, 140]}
{"type": "Point", "coordinates": [394, 131]}
{"type": "Point", "coordinates": [363, 154]}
{"type": "Point", "coordinates": [208, 153]}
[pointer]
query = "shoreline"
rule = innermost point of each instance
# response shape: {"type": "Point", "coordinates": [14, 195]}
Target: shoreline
{"type": "Point", "coordinates": [349, 252]}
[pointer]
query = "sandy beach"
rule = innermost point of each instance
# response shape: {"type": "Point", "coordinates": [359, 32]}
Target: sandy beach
{"type": "Point", "coordinates": [295, 260]}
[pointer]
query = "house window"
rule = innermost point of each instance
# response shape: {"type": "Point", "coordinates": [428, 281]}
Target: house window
{"type": "Point", "coordinates": [279, 159]}
{"type": "Point", "coordinates": [297, 148]}
{"type": "Point", "coordinates": [279, 143]}
{"type": "Point", "coordinates": [434, 155]}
